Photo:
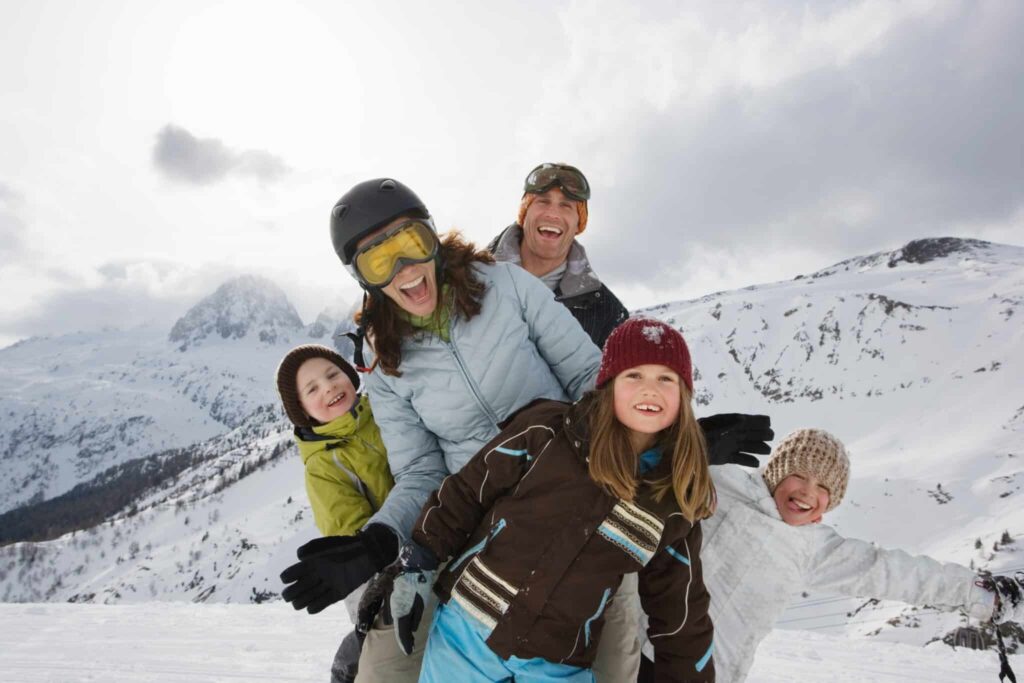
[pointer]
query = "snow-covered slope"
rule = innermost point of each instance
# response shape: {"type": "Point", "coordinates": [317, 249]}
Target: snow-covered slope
{"type": "Point", "coordinates": [78, 404]}
{"type": "Point", "coordinates": [173, 643]}
{"type": "Point", "coordinates": [913, 357]}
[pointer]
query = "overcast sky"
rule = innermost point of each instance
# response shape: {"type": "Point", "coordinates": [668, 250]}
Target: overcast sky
{"type": "Point", "coordinates": [150, 151]}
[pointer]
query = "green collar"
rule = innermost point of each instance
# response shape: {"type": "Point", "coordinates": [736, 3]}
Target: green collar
{"type": "Point", "coordinates": [313, 439]}
{"type": "Point", "coordinates": [438, 322]}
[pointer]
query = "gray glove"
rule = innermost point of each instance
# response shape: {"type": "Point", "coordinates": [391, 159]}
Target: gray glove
{"type": "Point", "coordinates": [1009, 592]}
{"type": "Point", "coordinates": [375, 599]}
{"type": "Point", "coordinates": [417, 569]}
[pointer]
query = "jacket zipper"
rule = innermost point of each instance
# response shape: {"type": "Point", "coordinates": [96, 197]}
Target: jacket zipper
{"type": "Point", "coordinates": [454, 350]}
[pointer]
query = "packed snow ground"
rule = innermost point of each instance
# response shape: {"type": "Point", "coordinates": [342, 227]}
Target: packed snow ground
{"type": "Point", "coordinates": [220, 643]}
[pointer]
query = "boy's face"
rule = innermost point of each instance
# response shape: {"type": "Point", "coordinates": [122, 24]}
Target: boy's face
{"type": "Point", "coordinates": [325, 392]}
{"type": "Point", "coordinates": [801, 499]}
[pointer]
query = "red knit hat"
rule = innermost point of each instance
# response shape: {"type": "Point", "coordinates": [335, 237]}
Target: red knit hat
{"type": "Point", "coordinates": [645, 341]}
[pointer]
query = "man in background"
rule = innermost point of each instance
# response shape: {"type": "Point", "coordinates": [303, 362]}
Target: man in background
{"type": "Point", "coordinates": [552, 213]}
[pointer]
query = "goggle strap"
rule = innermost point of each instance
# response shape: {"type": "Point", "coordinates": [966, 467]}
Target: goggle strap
{"type": "Point", "coordinates": [358, 337]}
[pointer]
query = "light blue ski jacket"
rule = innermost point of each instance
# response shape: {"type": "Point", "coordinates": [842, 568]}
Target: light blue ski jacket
{"type": "Point", "coordinates": [452, 395]}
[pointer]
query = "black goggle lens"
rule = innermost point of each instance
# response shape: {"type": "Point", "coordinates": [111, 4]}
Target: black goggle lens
{"type": "Point", "coordinates": [573, 183]}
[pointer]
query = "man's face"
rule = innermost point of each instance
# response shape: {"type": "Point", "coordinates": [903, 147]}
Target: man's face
{"type": "Point", "coordinates": [549, 227]}
{"type": "Point", "coordinates": [801, 499]}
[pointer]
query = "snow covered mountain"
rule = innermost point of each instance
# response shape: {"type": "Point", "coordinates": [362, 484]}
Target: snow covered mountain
{"type": "Point", "coordinates": [247, 306]}
{"type": "Point", "coordinates": [74, 406]}
{"type": "Point", "coordinates": [913, 357]}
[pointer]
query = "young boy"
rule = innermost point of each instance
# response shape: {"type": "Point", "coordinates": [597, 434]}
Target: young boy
{"type": "Point", "coordinates": [347, 475]}
{"type": "Point", "coordinates": [765, 542]}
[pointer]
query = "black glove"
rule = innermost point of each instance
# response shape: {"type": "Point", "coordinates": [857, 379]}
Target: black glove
{"type": "Point", "coordinates": [331, 567]}
{"type": "Point", "coordinates": [417, 567]}
{"type": "Point", "coordinates": [731, 437]}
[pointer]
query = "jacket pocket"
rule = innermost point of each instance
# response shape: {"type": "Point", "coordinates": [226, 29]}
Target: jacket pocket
{"type": "Point", "coordinates": [584, 633]}
{"type": "Point", "coordinates": [483, 594]}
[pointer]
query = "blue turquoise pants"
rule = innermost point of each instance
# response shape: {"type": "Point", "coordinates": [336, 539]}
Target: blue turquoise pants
{"type": "Point", "coordinates": [457, 651]}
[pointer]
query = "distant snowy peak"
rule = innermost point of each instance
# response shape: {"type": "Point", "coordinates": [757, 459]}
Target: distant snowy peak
{"type": "Point", "coordinates": [928, 250]}
{"type": "Point", "coordinates": [247, 306]}
{"type": "Point", "coordinates": [323, 326]}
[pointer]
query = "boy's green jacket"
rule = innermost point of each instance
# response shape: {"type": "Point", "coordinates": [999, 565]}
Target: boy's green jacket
{"type": "Point", "coordinates": [347, 475]}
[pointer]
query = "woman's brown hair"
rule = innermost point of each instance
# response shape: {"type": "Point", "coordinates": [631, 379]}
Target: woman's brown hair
{"type": "Point", "coordinates": [387, 325]}
{"type": "Point", "coordinates": [613, 464]}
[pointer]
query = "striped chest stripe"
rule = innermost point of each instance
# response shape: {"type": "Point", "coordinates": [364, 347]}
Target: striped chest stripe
{"type": "Point", "coordinates": [633, 529]}
{"type": "Point", "coordinates": [482, 593]}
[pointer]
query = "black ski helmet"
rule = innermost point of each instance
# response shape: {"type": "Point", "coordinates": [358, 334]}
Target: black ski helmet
{"type": "Point", "coordinates": [370, 205]}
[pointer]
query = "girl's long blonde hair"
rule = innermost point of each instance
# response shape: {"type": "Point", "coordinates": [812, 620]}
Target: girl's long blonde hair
{"type": "Point", "coordinates": [614, 465]}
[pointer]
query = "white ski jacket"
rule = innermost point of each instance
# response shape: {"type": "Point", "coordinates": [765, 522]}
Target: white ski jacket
{"type": "Point", "coordinates": [754, 563]}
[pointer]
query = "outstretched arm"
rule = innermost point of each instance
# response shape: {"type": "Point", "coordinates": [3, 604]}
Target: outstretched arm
{"type": "Point", "coordinates": [454, 511]}
{"type": "Point", "coordinates": [855, 567]}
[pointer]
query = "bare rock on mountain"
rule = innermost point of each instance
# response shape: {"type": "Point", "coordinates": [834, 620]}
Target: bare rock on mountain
{"type": "Point", "coordinates": [247, 306]}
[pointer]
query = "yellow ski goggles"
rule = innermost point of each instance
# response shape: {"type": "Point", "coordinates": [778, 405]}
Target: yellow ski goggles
{"type": "Point", "coordinates": [376, 263]}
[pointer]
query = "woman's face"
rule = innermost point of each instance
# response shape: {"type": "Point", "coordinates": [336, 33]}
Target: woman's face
{"type": "Point", "coordinates": [414, 287]}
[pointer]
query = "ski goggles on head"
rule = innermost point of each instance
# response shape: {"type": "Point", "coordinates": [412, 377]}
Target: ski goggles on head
{"type": "Point", "coordinates": [573, 183]}
{"type": "Point", "coordinates": [376, 263]}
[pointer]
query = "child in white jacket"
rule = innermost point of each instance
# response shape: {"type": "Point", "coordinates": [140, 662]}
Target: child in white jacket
{"type": "Point", "coordinates": [765, 543]}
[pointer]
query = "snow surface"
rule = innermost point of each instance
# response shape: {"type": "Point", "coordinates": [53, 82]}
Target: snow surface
{"type": "Point", "coordinates": [209, 643]}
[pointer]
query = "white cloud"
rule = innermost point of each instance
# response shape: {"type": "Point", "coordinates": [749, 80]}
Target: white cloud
{"type": "Point", "coordinates": [849, 127]}
{"type": "Point", "coordinates": [720, 141]}
{"type": "Point", "coordinates": [12, 227]}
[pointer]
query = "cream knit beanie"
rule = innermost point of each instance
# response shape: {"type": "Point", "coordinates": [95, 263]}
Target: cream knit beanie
{"type": "Point", "coordinates": [815, 452]}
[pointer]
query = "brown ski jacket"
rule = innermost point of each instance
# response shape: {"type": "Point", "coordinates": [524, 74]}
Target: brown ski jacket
{"type": "Point", "coordinates": [540, 549]}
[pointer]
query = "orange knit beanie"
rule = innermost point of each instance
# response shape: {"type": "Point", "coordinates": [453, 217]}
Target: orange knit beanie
{"type": "Point", "coordinates": [581, 209]}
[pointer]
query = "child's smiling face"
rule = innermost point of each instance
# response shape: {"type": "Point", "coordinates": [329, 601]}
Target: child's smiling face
{"type": "Point", "coordinates": [646, 401]}
{"type": "Point", "coordinates": [325, 391]}
{"type": "Point", "coordinates": [801, 499]}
